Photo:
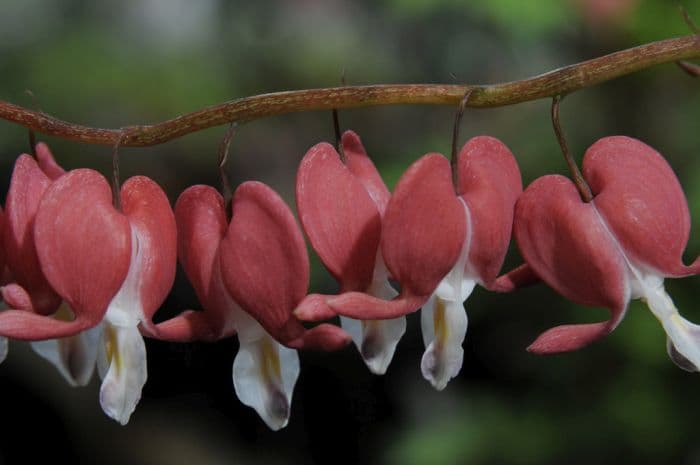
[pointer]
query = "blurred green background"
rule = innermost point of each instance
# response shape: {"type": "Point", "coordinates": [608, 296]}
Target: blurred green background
{"type": "Point", "coordinates": [112, 64]}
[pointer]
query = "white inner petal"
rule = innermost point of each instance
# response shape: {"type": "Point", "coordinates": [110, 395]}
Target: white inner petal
{"type": "Point", "coordinates": [122, 365]}
{"type": "Point", "coordinates": [74, 356]}
{"type": "Point", "coordinates": [376, 340]}
{"type": "Point", "coordinates": [264, 372]}
{"type": "Point", "coordinates": [683, 343]}
{"type": "Point", "coordinates": [122, 354]}
{"type": "Point", "coordinates": [444, 320]}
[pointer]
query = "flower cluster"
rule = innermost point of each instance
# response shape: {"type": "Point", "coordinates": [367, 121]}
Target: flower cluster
{"type": "Point", "coordinates": [84, 269]}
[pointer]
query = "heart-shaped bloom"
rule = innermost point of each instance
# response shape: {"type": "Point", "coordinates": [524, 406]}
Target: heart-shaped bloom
{"type": "Point", "coordinates": [340, 207]}
{"type": "Point", "coordinates": [249, 275]}
{"type": "Point", "coordinates": [106, 265]}
{"type": "Point", "coordinates": [28, 289]}
{"type": "Point", "coordinates": [619, 246]}
{"type": "Point", "coordinates": [439, 244]}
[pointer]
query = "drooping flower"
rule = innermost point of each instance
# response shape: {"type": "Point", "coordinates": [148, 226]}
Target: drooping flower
{"type": "Point", "coordinates": [107, 265]}
{"type": "Point", "coordinates": [618, 247]}
{"type": "Point", "coordinates": [28, 289]}
{"type": "Point", "coordinates": [439, 244]}
{"type": "Point", "coordinates": [249, 275]}
{"type": "Point", "coordinates": [340, 207]}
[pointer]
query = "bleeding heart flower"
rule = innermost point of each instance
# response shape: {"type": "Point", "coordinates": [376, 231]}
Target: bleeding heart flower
{"type": "Point", "coordinates": [249, 275]}
{"type": "Point", "coordinates": [618, 247]}
{"type": "Point", "coordinates": [28, 289]}
{"type": "Point", "coordinates": [438, 245]}
{"type": "Point", "coordinates": [340, 207]}
{"type": "Point", "coordinates": [106, 265]}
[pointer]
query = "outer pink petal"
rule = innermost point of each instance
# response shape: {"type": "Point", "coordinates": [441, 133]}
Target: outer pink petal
{"type": "Point", "coordinates": [201, 224]}
{"type": "Point", "coordinates": [27, 187]}
{"type": "Point", "coordinates": [83, 242]}
{"type": "Point", "coordinates": [314, 307]}
{"type": "Point", "coordinates": [362, 167]}
{"type": "Point", "coordinates": [566, 338]}
{"type": "Point", "coordinates": [565, 243]}
{"type": "Point", "coordinates": [263, 257]}
{"type": "Point", "coordinates": [265, 267]}
{"type": "Point", "coordinates": [642, 201]}
{"type": "Point", "coordinates": [366, 307]}
{"type": "Point", "coordinates": [424, 227]}
{"type": "Point", "coordinates": [516, 278]}
{"type": "Point", "coordinates": [489, 184]}
{"type": "Point", "coordinates": [149, 213]}
{"type": "Point", "coordinates": [47, 163]}
{"type": "Point", "coordinates": [339, 217]}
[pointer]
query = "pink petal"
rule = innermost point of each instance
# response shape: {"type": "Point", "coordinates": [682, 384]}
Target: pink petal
{"type": "Point", "coordinates": [265, 267]}
{"type": "Point", "coordinates": [28, 326]}
{"type": "Point", "coordinates": [314, 308]}
{"type": "Point", "coordinates": [566, 338]}
{"type": "Point", "coordinates": [149, 213]}
{"type": "Point", "coordinates": [516, 278]}
{"type": "Point", "coordinates": [27, 187]}
{"type": "Point", "coordinates": [188, 326]}
{"type": "Point", "coordinates": [47, 163]}
{"type": "Point", "coordinates": [339, 217]}
{"type": "Point", "coordinates": [565, 243]}
{"type": "Point", "coordinates": [424, 227]}
{"type": "Point", "coordinates": [361, 166]}
{"type": "Point", "coordinates": [489, 184]}
{"type": "Point", "coordinates": [363, 306]}
{"type": "Point", "coordinates": [642, 201]}
{"type": "Point", "coordinates": [83, 242]}
{"type": "Point", "coordinates": [201, 224]}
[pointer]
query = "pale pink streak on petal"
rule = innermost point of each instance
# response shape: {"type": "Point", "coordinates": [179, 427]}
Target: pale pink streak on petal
{"type": "Point", "coordinates": [489, 183]}
{"type": "Point", "coordinates": [339, 217]}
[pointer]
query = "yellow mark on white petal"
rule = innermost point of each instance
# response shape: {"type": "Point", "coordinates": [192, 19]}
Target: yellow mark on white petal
{"type": "Point", "coordinates": [112, 347]}
{"type": "Point", "coordinates": [63, 313]}
{"type": "Point", "coordinates": [271, 371]}
{"type": "Point", "coordinates": [440, 326]}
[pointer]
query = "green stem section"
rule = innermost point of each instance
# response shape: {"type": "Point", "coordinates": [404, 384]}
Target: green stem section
{"type": "Point", "coordinates": [558, 82]}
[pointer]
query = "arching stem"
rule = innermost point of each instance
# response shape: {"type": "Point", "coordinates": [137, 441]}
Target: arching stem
{"type": "Point", "coordinates": [581, 183]}
{"type": "Point", "coordinates": [224, 148]}
{"type": "Point", "coordinates": [455, 139]}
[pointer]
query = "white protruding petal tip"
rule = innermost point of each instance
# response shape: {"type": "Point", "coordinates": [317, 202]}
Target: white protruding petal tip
{"type": "Point", "coordinates": [444, 325]}
{"type": "Point", "coordinates": [74, 356]}
{"type": "Point", "coordinates": [124, 354]}
{"type": "Point", "coordinates": [376, 340]}
{"type": "Point", "coordinates": [683, 343]}
{"type": "Point", "coordinates": [264, 375]}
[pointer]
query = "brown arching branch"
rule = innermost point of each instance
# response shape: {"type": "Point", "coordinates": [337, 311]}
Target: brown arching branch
{"type": "Point", "coordinates": [558, 82]}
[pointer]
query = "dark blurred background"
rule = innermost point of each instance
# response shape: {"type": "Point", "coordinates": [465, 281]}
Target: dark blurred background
{"type": "Point", "coordinates": [112, 64]}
